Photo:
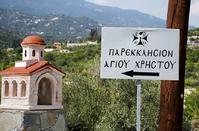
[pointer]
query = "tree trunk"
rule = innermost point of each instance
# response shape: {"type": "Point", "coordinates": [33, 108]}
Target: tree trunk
{"type": "Point", "coordinates": [172, 92]}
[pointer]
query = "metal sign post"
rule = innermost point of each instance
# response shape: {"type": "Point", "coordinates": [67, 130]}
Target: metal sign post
{"type": "Point", "coordinates": [138, 111]}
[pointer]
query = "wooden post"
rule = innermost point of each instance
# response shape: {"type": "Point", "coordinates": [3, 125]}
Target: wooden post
{"type": "Point", "coordinates": [172, 92]}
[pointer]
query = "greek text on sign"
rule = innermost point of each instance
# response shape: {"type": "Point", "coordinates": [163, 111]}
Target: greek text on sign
{"type": "Point", "coordinates": [140, 53]}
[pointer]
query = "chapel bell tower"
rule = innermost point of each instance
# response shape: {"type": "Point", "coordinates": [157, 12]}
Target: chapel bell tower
{"type": "Point", "coordinates": [33, 48]}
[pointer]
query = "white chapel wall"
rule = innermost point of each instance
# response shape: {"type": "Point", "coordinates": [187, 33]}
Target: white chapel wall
{"type": "Point", "coordinates": [11, 99]}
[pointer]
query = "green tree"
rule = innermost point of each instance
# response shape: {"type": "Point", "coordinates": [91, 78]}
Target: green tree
{"type": "Point", "coordinates": [192, 109]}
{"type": "Point", "coordinates": [93, 104]}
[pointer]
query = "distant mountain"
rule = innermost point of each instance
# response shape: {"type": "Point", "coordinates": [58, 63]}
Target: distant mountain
{"type": "Point", "coordinates": [52, 27]}
{"type": "Point", "coordinates": [107, 16]}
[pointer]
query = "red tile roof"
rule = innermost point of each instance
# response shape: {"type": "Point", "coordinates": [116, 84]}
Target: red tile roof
{"type": "Point", "coordinates": [28, 70]}
{"type": "Point", "coordinates": [33, 39]}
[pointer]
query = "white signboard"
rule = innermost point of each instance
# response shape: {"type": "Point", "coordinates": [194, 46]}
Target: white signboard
{"type": "Point", "coordinates": [140, 53]}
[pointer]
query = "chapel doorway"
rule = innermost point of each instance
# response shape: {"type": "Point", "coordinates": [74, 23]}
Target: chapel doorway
{"type": "Point", "coordinates": [45, 92]}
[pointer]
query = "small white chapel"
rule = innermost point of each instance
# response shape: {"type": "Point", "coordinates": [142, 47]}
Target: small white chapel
{"type": "Point", "coordinates": [33, 83]}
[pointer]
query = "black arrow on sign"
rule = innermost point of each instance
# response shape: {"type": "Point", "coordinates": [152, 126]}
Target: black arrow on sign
{"type": "Point", "coordinates": [132, 73]}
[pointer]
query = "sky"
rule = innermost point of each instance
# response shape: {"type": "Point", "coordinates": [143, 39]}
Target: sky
{"type": "Point", "coordinates": [153, 7]}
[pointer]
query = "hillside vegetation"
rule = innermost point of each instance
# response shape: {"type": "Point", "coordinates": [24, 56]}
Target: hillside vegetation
{"type": "Point", "coordinates": [9, 39]}
{"type": "Point", "coordinates": [192, 67]}
{"type": "Point", "coordinates": [94, 104]}
{"type": "Point", "coordinates": [194, 32]}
